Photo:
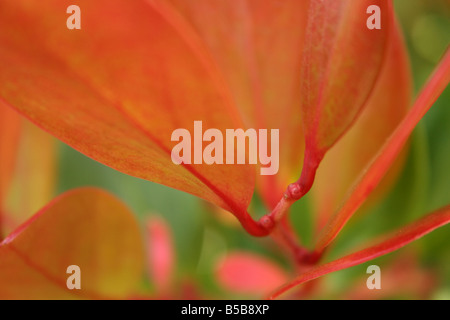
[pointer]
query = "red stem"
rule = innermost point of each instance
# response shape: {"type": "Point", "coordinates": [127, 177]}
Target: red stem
{"type": "Point", "coordinates": [294, 192]}
{"type": "Point", "coordinates": [286, 238]}
{"type": "Point", "coordinates": [301, 187]}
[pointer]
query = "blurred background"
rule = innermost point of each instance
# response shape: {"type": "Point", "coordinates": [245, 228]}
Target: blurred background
{"type": "Point", "coordinates": [203, 234]}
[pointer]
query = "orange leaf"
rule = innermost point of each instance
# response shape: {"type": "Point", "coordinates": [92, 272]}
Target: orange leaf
{"type": "Point", "coordinates": [385, 108]}
{"type": "Point", "coordinates": [342, 60]}
{"type": "Point", "coordinates": [34, 177]}
{"type": "Point", "coordinates": [84, 227]}
{"type": "Point", "coordinates": [401, 238]}
{"type": "Point", "coordinates": [248, 273]}
{"type": "Point", "coordinates": [258, 46]}
{"type": "Point", "coordinates": [378, 167]}
{"type": "Point", "coordinates": [9, 136]}
{"type": "Point", "coordinates": [116, 89]}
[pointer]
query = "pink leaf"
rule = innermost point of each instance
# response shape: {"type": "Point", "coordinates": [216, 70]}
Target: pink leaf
{"type": "Point", "coordinates": [248, 273]}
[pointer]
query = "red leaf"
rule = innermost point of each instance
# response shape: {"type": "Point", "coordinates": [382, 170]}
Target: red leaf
{"type": "Point", "coordinates": [387, 155]}
{"type": "Point", "coordinates": [401, 238]}
{"type": "Point", "coordinates": [248, 273]}
{"type": "Point", "coordinates": [85, 227]}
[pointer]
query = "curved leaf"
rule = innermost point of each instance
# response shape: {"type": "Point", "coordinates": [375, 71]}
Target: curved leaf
{"type": "Point", "coordinates": [84, 227]}
{"type": "Point", "coordinates": [342, 60]}
{"type": "Point", "coordinates": [401, 238]}
{"type": "Point", "coordinates": [384, 110]}
{"type": "Point", "coordinates": [378, 167]}
{"type": "Point", "coordinates": [116, 89]}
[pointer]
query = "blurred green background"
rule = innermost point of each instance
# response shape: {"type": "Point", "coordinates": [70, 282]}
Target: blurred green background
{"type": "Point", "coordinates": [424, 185]}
